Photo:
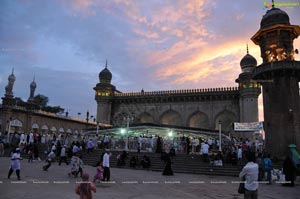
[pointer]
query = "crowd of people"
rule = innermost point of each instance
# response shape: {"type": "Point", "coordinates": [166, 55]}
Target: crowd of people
{"type": "Point", "coordinates": [255, 163]}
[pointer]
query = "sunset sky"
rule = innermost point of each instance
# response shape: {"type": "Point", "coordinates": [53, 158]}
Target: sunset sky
{"type": "Point", "coordinates": [149, 44]}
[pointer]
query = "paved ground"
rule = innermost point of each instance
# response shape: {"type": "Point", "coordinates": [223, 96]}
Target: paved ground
{"type": "Point", "coordinates": [127, 184]}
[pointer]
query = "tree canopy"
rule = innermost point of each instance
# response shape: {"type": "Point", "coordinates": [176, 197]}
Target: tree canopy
{"type": "Point", "coordinates": [40, 102]}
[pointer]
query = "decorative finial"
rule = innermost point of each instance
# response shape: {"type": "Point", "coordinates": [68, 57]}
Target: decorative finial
{"type": "Point", "coordinates": [33, 77]}
{"type": "Point", "coordinates": [273, 4]}
{"type": "Point", "coordinates": [106, 64]}
{"type": "Point", "coordinates": [247, 49]}
{"type": "Point", "coordinates": [12, 72]}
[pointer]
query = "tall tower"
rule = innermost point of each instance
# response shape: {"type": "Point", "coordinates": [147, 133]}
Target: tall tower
{"type": "Point", "coordinates": [104, 94]}
{"type": "Point", "coordinates": [9, 95]}
{"type": "Point", "coordinates": [248, 90]}
{"type": "Point", "coordinates": [279, 74]}
{"type": "Point", "coordinates": [32, 89]}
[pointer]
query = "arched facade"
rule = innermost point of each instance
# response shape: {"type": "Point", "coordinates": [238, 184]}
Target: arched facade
{"type": "Point", "coordinates": [171, 117]}
{"type": "Point", "coordinates": [145, 117]}
{"type": "Point", "coordinates": [227, 118]}
{"type": "Point", "coordinates": [198, 120]}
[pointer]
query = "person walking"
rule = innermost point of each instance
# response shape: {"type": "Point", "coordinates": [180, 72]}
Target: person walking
{"type": "Point", "coordinates": [289, 171]}
{"type": "Point", "coordinates": [268, 167]}
{"type": "Point", "coordinates": [80, 166]}
{"type": "Point", "coordinates": [63, 156]}
{"type": "Point", "coordinates": [1, 148]}
{"type": "Point", "coordinates": [49, 159]}
{"type": "Point", "coordinates": [204, 151]}
{"type": "Point", "coordinates": [15, 164]}
{"type": "Point", "coordinates": [85, 188]}
{"type": "Point", "coordinates": [90, 146]}
{"type": "Point", "coordinates": [168, 167]}
{"type": "Point", "coordinates": [250, 174]}
{"type": "Point", "coordinates": [106, 172]}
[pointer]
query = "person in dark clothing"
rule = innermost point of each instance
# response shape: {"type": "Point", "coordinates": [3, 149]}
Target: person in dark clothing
{"type": "Point", "coordinates": [145, 162]}
{"type": "Point", "coordinates": [158, 145]}
{"type": "Point", "coordinates": [168, 167]}
{"type": "Point", "coordinates": [133, 162]}
{"type": "Point", "coordinates": [234, 158]}
{"type": "Point", "coordinates": [172, 152]}
{"type": "Point", "coordinates": [289, 171]}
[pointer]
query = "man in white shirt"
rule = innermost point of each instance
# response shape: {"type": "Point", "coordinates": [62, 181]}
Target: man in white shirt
{"type": "Point", "coordinates": [63, 156]}
{"type": "Point", "coordinates": [15, 164]}
{"type": "Point", "coordinates": [106, 172]}
{"type": "Point", "coordinates": [250, 173]}
{"type": "Point", "coordinates": [204, 150]}
{"type": "Point", "coordinates": [31, 138]}
{"type": "Point", "coordinates": [90, 145]}
{"type": "Point", "coordinates": [105, 141]}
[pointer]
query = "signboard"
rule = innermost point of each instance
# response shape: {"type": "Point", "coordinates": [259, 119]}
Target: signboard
{"type": "Point", "coordinates": [253, 126]}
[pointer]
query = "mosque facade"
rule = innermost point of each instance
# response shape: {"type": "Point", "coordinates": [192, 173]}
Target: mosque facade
{"type": "Point", "coordinates": [203, 108]}
{"type": "Point", "coordinates": [278, 76]}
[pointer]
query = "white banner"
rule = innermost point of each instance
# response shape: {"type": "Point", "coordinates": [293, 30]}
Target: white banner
{"type": "Point", "coordinates": [253, 126]}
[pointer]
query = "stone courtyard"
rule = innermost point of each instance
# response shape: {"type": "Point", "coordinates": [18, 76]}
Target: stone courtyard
{"type": "Point", "coordinates": [126, 183]}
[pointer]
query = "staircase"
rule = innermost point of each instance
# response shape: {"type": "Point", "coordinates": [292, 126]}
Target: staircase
{"type": "Point", "coordinates": [180, 163]}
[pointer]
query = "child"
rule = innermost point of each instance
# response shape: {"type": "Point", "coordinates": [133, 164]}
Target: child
{"type": "Point", "coordinates": [75, 165]}
{"type": "Point", "coordinates": [99, 174]}
{"type": "Point", "coordinates": [84, 189]}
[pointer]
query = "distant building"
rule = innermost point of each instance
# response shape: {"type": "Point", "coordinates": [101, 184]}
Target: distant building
{"type": "Point", "coordinates": [200, 108]}
{"type": "Point", "coordinates": [26, 118]}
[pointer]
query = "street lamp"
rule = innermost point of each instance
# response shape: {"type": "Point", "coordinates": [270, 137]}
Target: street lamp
{"type": "Point", "coordinates": [97, 127]}
{"type": "Point", "coordinates": [127, 119]}
{"type": "Point", "coordinates": [220, 135]}
{"type": "Point", "coordinates": [87, 116]}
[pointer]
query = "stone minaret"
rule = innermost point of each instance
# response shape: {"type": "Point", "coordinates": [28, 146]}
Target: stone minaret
{"type": "Point", "coordinates": [248, 90]}
{"type": "Point", "coordinates": [280, 75]}
{"type": "Point", "coordinates": [32, 90]}
{"type": "Point", "coordinates": [104, 94]}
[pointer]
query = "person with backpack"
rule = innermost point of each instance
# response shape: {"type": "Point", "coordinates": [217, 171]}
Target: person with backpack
{"type": "Point", "coordinates": [268, 167]}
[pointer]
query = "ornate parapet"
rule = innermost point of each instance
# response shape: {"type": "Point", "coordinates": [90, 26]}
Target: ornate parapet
{"type": "Point", "coordinates": [208, 94]}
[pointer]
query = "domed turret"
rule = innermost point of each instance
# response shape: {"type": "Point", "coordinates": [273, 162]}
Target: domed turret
{"type": "Point", "coordinates": [32, 90]}
{"type": "Point", "coordinates": [105, 75]}
{"type": "Point", "coordinates": [248, 62]}
{"type": "Point", "coordinates": [12, 77]}
{"type": "Point", "coordinates": [273, 17]}
{"type": "Point", "coordinates": [33, 85]}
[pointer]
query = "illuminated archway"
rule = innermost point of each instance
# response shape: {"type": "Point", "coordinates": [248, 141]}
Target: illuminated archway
{"type": "Point", "coordinates": [198, 120]}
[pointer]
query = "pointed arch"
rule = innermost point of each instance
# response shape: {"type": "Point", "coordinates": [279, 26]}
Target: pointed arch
{"type": "Point", "coordinates": [227, 118]}
{"type": "Point", "coordinates": [16, 123]}
{"type": "Point", "coordinates": [198, 119]}
{"type": "Point", "coordinates": [45, 127]}
{"type": "Point", "coordinates": [118, 119]}
{"type": "Point", "coordinates": [171, 117]}
{"type": "Point", "coordinates": [145, 117]}
{"type": "Point", "coordinates": [35, 126]}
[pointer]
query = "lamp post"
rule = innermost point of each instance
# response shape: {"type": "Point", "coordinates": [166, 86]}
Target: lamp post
{"type": "Point", "coordinates": [87, 116]}
{"type": "Point", "coordinates": [8, 133]}
{"type": "Point", "coordinates": [220, 135]}
{"type": "Point", "coordinates": [97, 127]}
{"type": "Point", "coordinates": [127, 119]}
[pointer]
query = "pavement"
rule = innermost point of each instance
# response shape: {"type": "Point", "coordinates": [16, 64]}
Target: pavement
{"type": "Point", "coordinates": [127, 184]}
